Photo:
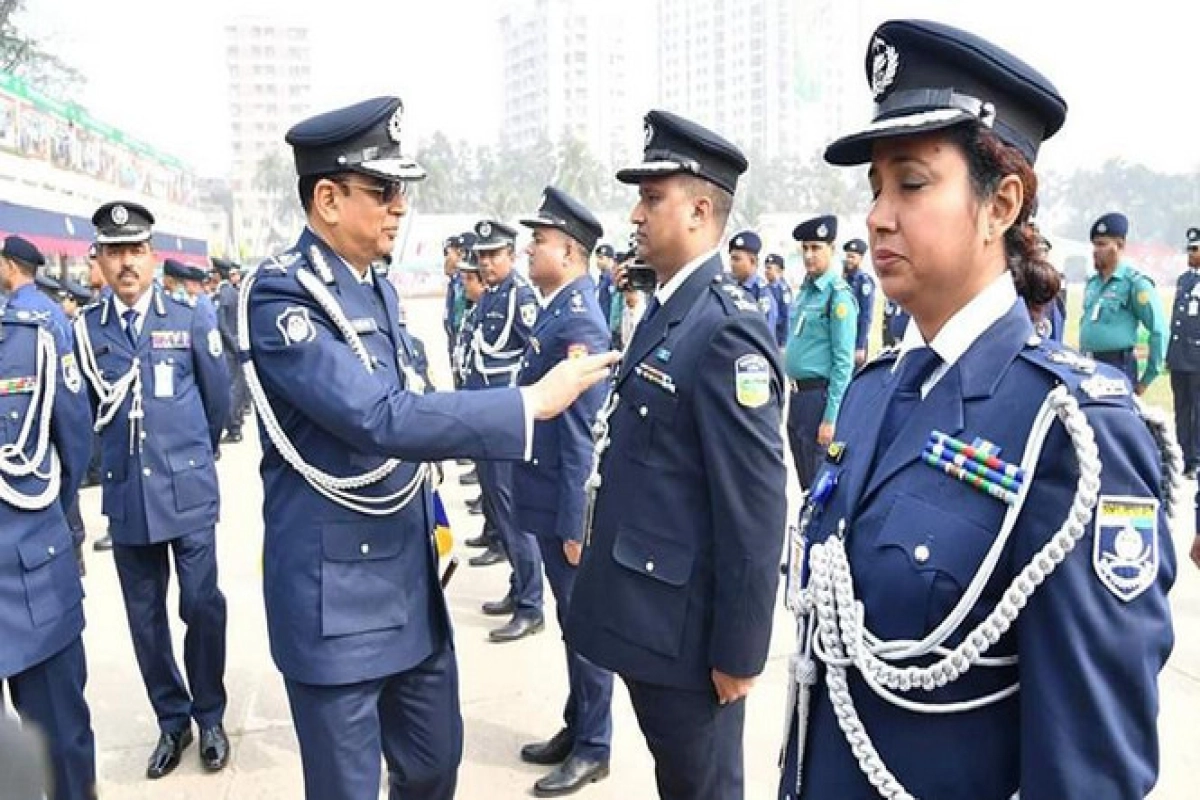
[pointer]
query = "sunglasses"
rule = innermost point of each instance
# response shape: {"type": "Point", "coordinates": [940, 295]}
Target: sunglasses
{"type": "Point", "coordinates": [388, 191]}
{"type": "Point", "coordinates": [1191, 248]}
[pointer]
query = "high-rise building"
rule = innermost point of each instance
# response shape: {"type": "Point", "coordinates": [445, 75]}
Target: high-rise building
{"type": "Point", "coordinates": [270, 88]}
{"type": "Point", "coordinates": [770, 75]}
{"type": "Point", "coordinates": [577, 68]}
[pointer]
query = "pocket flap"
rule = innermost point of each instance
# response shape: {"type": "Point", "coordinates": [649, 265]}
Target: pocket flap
{"type": "Point", "coordinates": [189, 458]}
{"type": "Point", "coordinates": [654, 556]}
{"type": "Point", "coordinates": [935, 539]}
{"type": "Point", "coordinates": [357, 541]}
{"type": "Point", "coordinates": [44, 546]}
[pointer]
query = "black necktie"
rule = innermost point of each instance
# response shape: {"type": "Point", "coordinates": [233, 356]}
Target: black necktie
{"type": "Point", "coordinates": [130, 316]}
{"type": "Point", "coordinates": [651, 310]}
{"type": "Point", "coordinates": [915, 368]}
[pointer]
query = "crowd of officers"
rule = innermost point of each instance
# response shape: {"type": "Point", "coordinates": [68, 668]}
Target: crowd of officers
{"type": "Point", "coordinates": [627, 496]}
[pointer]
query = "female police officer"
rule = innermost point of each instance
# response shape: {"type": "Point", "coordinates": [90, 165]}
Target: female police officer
{"type": "Point", "coordinates": [984, 608]}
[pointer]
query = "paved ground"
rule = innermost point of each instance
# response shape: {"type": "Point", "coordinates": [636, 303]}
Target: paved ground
{"type": "Point", "coordinates": [511, 693]}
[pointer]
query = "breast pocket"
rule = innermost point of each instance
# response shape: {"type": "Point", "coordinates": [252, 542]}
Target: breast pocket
{"type": "Point", "coordinates": [651, 412]}
{"type": "Point", "coordinates": [927, 556]}
{"type": "Point", "coordinates": [363, 586]}
{"type": "Point", "coordinates": [193, 477]}
{"type": "Point", "coordinates": [49, 572]}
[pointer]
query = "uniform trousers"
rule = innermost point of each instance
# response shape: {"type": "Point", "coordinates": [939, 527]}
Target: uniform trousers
{"type": "Point", "coordinates": [695, 741]}
{"type": "Point", "coordinates": [144, 572]}
{"type": "Point", "coordinates": [525, 582]}
{"type": "Point", "coordinates": [588, 712]}
{"type": "Point", "coordinates": [806, 408]}
{"type": "Point", "coordinates": [49, 696]}
{"type": "Point", "coordinates": [1185, 386]}
{"type": "Point", "coordinates": [412, 718]}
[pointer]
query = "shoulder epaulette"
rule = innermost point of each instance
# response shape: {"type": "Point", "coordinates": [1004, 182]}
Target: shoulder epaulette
{"type": "Point", "coordinates": [282, 263]}
{"type": "Point", "coordinates": [1084, 377]}
{"type": "Point", "coordinates": [733, 297]}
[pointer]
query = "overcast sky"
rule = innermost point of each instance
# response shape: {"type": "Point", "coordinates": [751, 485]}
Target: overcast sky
{"type": "Point", "coordinates": [1129, 71]}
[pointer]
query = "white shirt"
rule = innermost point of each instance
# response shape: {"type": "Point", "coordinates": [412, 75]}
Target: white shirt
{"type": "Point", "coordinates": [142, 307]}
{"type": "Point", "coordinates": [631, 315]}
{"type": "Point", "coordinates": [962, 329]}
{"type": "Point", "coordinates": [664, 292]}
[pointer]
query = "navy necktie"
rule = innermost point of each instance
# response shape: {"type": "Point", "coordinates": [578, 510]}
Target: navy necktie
{"type": "Point", "coordinates": [130, 316]}
{"type": "Point", "coordinates": [915, 368]}
{"type": "Point", "coordinates": [651, 310]}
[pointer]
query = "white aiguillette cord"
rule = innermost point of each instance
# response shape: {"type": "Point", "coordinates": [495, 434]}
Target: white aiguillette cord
{"type": "Point", "coordinates": [340, 490]}
{"type": "Point", "coordinates": [14, 463]}
{"type": "Point", "coordinates": [111, 395]}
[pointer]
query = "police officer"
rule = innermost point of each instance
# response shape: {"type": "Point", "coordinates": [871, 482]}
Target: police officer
{"type": "Point", "coordinates": [680, 561]}
{"type": "Point", "coordinates": [507, 312]}
{"type": "Point", "coordinates": [1050, 320]}
{"type": "Point", "coordinates": [775, 269]}
{"type": "Point", "coordinates": [548, 491]}
{"type": "Point", "coordinates": [864, 294]}
{"type": "Point", "coordinates": [44, 433]}
{"type": "Point", "coordinates": [1116, 299]}
{"type": "Point", "coordinates": [227, 323]}
{"type": "Point", "coordinates": [744, 248]}
{"type": "Point", "coordinates": [820, 350]}
{"type": "Point", "coordinates": [1183, 356]}
{"type": "Point", "coordinates": [895, 321]}
{"type": "Point", "coordinates": [160, 393]}
{"type": "Point", "coordinates": [20, 261]}
{"type": "Point", "coordinates": [987, 557]}
{"type": "Point", "coordinates": [454, 251]}
{"type": "Point", "coordinates": [607, 293]}
{"type": "Point", "coordinates": [357, 621]}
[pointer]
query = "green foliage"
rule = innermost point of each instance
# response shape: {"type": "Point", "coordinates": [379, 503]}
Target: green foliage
{"type": "Point", "coordinates": [27, 58]}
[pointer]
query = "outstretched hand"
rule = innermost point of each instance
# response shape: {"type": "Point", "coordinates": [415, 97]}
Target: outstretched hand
{"type": "Point", "coordinates": [570, 378]}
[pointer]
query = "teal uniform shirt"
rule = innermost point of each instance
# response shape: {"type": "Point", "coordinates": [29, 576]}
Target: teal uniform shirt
{"type": "Point", "coordinates": [823, 321]}
{"type": "Point", "coordinates": [1112, 310]}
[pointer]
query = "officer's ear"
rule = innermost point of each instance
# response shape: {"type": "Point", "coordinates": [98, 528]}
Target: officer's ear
{"type": "Point", "coordinates": [326, 200]}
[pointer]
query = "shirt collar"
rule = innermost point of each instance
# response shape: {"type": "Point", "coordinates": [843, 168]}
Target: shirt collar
{"type": "Point", "coordinates": [142, 306]}
{"type": "Point", "coordinates": [664, 292]}
{"type": "Point", "coordinates": [964, 328]}
{"type": "Point", "coordinates": [822, 281]}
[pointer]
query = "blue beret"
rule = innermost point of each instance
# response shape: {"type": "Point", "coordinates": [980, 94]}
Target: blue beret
{"type": "Point", "coordinates": [855, 246]}
{"type": "Point", "coordinates": [605, 251]}
{"type": "Point", "coordinates": [1193, 237]}
{"type": "Point", "coordinates": [777, 260]}
{"type": "Point", "coordinates": [561, 211]}
{"type": "Point", "coordinates": [746, 240]}
{"type": "Point", "coordinates": [176, 269]}
{"type": "Point", "coordinates": [493, 235]}
{"type": "Point", "coordinates": [1111, 224]}
{"type": "Point", "coordinates": [23, 250]}
{"type": "Point", "coordinates": [364, 137]}
{"type": "Point", "coordinates": [927, 76]}
{"type": "Point", "coordinates": [676, 145]}
{"type": "Point", "coordinates": [817, 229]}
{"type": "Point", "coordinates": [122, 223]}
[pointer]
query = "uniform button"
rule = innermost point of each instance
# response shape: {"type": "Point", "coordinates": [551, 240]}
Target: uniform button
{"type": "Point", "coordinates": [108, 475]}
{"type": "Point", "coordinates": [13, 414]}
{"type": "Point", "coordinates": [535, 462]}
{"type": "Point", "coordinates": [643, 411]}
{"type": "Point", "coordinates": [146, 471]}
{"type": "Point", "coordinates": [364, 548]}
{"type": "Point", "coordinates": [51, 550]}
{"type": "Point", "coordinates": [921, 553]}
{"type": "Point", "coordinates": [649, 566]}
{"type": "Point", "coordinates": [191, 462]}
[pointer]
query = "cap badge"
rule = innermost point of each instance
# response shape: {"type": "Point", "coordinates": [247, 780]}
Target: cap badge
{"type": "Point", "coordinates": [1102, 228]}
{"type": "Point", "coordinates": [484, 230]}
{"type": "Point", "coordinates": [822, 231]}
{"type": "Point", "coordinates": [885, 63]}
{"type": "Point", "coordinates": [395, 124]}
{"type": "Point", "coordinates": [738, 242]}
{"type": "Point", "coordinates": [649, 133]}
{"type": "Point", "coordinates": [1193, 235]}
{"type": "Point", "coordinates": [120, 215]}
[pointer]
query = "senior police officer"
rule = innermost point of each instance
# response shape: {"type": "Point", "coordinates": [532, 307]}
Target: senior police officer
{"type": "Point", "coordinates": [20, 262]}
{"type": "Point", "coordinates": [506, 314]}
{"type": "Point", "coordinates": [775, 269]}
{"type": "Point", "coordinates": [227, 323]}
{"type": "Point", "coordinates": [1116, 300]}
{"type": "Point", "coordinates": [680, 559]}
{"type": "Point", "coordinates": [864, 294]}
{"type": "Point", "coordinates": [982, 573]}
{"type": "Point", "coordinates": [744, 248]}
{"type": "Point", "coordinates": [548, 491]}
{"type": "Point", "coordinates": [160, 393]}
{"type": "Point", "coordinates": [1183, 356]}
{"type": "Point", "coordinates": [820, 350]}
{"type": "Point", "coordinates": [357, 621]}
{"type": "Point", "coordinates": [45, 442]}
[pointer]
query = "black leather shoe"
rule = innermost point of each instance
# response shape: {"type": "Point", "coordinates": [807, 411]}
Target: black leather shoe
{"type": "Point", "coordinates": [233, 437]}
{"type": "Point", "coordinates": [520, 626]}
{"type": "Point", "coordinates": [167, 752]}
{"type": "Point", "coordinates": [492, 555]}
{"type": "Point", "coordinates": [552, 751]}
{"type": "Point", "coordinates": [103, 543]}
{"type": "Point", "coordinates": [469, 478]}
{"type": "Point", "coordinates": [482, 540]}
{"type": "Point", "coordinates": [475, 505]}
{"type": "Point", "coordinates": [214, 748]}
{"type": "Point", "coordinates": [500, 608]}
{"type": "Point", "coordinates": [571, 776]}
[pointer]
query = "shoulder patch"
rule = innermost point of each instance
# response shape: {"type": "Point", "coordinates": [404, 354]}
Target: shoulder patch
{"type": "Point", "coordinates": [529, 314]}
{"type": "Point", "coordinates": [1125, 548]}
{"type": "Point", "coordinates": [295, 325]}
{"type": "Point", "coordinates": [71, 375]}
{"type": "Point", "coordinates": [840, 310]}
{"type": "Point", "coordinates": [1143, 297]}
{"type": "Point", "coordinates": [752, 380]}
{"type": "Point", "coordinates": [214, 343]}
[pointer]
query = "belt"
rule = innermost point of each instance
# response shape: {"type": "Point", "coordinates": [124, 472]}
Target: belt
{"type": "Point", "coordinates": [1117, 357]}
{"type": "Point", "coordinates": [803, 384]}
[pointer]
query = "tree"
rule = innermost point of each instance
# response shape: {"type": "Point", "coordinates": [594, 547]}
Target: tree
{"type": "Point", "coordinates": [275, 181]}
{"type": "Point", "coordinates": [27, 58]}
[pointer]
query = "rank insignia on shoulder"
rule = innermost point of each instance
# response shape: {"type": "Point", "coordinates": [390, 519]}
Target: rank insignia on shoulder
{"type": "Point", "coordinates": [835, 452]}
{"type": "Point", "coordinates": [1081, 364]}
{"type": "Point", "coordinates": [1125, 549]}
{"type": "Point", "coordinates": [364, 325]}
{"type": "Point", "coordinates": [752, 380]}
{"type": "Point", "coordinates": [214, 343]}
{"type": "Point", "coordinates": [577, 350]}
{"type": "Point", "coordinates": [529, 314]}
{"type": "Point", "coordinates": [1099, 387]}
{"type": "Point", "coordinates": [71, 376]}
{"type": "Point", "coordinates": [536, 345]}
{"type": "Point", "coordinates": [295, 325]}
{"type": "Point", "coordinates": [577, 302]}
{"type": "Point", "coordinates": [282, 262]}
